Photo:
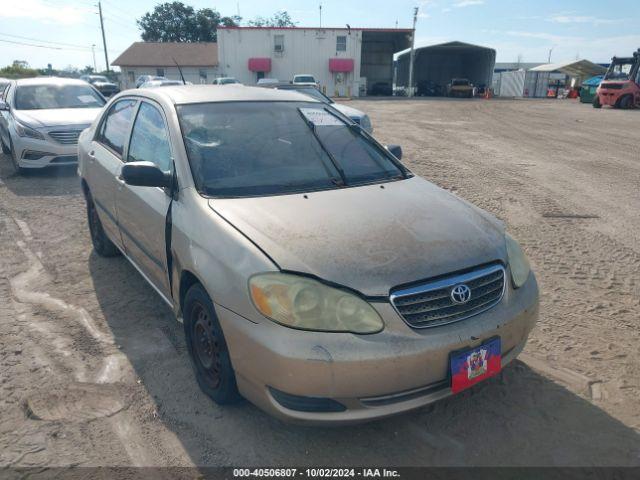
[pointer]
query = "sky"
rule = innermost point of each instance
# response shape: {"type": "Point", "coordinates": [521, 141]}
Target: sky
{"type": "Point", "coordinates": [62, 32]}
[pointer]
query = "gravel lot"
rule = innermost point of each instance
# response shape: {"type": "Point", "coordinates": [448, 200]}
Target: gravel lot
{"type": "Point", "coordinates": [94, 370]}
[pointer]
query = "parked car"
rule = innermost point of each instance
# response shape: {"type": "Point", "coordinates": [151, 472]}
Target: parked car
{"type": "Point", "coordinates": [460, 87]}
{"type": "Point", "coordinates": [42, 119]}
{"type": "Point", "coordinates": [163, 83]}
{"type": "Point", "coordinates": [224, 81]}
{"type": "Point", "coordinates": [381, 88]}
{"type": "Point", "coordinates": [354, 114]}
{"type": "Point", "coordinates": [102, 83]}
{"type": "Point", "coordinates": [268, 81]}
{"type": "Point", "coordinates": [4, 83]}
{"type": "Point", "coordinates": [314, 273]}
{"type": "Point", "coordinates": [147, 78]}
{"type": "Point", "coordinates": [305, 79]}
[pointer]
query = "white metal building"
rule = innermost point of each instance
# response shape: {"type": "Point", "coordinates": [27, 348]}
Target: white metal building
{"type": "Point", "coordinates": [345, 61]}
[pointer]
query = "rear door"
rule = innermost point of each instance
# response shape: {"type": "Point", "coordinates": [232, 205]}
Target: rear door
{"type": "Point", "coordinates": [142, 211]}
{"type": "Point", "coordinates": [104, 163]}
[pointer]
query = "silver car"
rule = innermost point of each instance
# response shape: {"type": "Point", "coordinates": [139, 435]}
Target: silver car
{"type": "Point", "coordinates": [41, 119]}
{"type": "Point", "coordinates": [315, 275]}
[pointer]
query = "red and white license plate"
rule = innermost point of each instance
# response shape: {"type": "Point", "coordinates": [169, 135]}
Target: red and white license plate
{"type": "Point", "coordinates": [471, 366]}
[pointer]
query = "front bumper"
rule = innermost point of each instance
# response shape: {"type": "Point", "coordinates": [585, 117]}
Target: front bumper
{"type": "Point", "coordinates": [35, 153]}
{"type": "Point", "coordinates": [372, 376]}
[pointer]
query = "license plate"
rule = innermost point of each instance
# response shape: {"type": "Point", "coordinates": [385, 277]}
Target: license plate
{"type": "Point", "coordinates": [471, 366]}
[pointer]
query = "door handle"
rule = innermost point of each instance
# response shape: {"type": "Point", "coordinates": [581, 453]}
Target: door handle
{"type": "Point", "coordinates": [91, 155]}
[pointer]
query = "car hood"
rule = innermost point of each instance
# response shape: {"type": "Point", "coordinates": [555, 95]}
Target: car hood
{"type": "Point", "coordinates": [348, 111]}
{"type": "Point", "coordinates": [56, 117]}
{"type": "Point", "coordinates": [369, 238]}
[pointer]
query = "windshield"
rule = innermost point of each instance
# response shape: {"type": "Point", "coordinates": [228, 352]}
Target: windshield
{"type": "Point", "coordinates": [99, 79]}
{"type": "Point", "coordinates": [240, 149]}
{"type": "Point", "coordinates": [304, 79]}
{"type": "Point", "coordinates": [40, 97]}
{"type": "Point", "coordinates": [460, 82]}
{"type": "Point", "coordinates": [619, 71]}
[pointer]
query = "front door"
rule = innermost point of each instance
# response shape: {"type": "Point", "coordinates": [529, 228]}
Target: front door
{"type": "Point", "coordinates": [142, 211]}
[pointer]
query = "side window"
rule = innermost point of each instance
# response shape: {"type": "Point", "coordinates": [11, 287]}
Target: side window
{"type": "Point", "coordinates": [115, 127]}
{"type": "Point", "coordinates": [341, 43]}
{"type": "Point", "coordinates": [149, 138]}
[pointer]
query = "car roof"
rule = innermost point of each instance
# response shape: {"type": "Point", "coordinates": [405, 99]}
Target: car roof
{"type": "Point", "coordinates": [50, 81]}
{"type": "Point", "coordinates": [185, 94]}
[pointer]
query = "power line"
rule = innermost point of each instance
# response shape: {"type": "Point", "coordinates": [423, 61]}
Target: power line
{"type": "Point", "coordinates": [51, 47]}
{"type": "Point", "coordinates": [44, 41]}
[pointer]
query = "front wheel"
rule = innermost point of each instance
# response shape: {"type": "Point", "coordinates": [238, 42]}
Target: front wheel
{"type": "Point", "coordinates": [14, 160]}
{"type": "Point", "coordinates": [101, 243]}
{"type": "Point", "coordinates": [626, 102]}
{"type": "Point", "coordinates": [596, 102]}
{"type": "Point", "coordinates": [208, 348]}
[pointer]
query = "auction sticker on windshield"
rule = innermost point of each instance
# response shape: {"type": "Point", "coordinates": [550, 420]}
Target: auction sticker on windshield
{"type": "Point", "coordinates": [475, 365]}
{"type": "Point", "coordinates": [321, 118]}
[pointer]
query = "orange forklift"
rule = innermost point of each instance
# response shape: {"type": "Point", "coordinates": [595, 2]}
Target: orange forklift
{"type": "Point", "coordinates": [620, 87]}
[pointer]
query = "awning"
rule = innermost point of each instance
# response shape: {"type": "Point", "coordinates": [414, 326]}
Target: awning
{"type": "Point", "coordinates": [260, 64]}
{"type": "Point", "coordinates": [341, 65]}
{"type": "Point", "coordinates": [577, 68]}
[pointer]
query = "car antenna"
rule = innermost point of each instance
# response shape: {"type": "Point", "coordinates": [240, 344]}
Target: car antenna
{"type": "Point", "coordinates": [180, 70]}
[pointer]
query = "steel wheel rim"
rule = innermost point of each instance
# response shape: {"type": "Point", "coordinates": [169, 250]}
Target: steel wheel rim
{"type": "Point", "coordinates": [205, 343]}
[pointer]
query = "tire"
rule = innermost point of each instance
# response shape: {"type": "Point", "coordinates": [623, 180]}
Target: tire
{"type": "Point", "coordinates": [596, 102]}
{"type": "Point", "coordinates": [626, 102]}
{"type": "Point", "coordinates": [101, 243]}
{"type": "Point", "coordinates": [208, 349]}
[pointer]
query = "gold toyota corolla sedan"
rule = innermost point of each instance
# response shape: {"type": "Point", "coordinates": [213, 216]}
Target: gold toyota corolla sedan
{"type": "Point", "coordinates": [316, 276]}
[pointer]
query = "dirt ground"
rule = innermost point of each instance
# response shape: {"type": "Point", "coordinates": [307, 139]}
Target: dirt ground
{"type": "Point", "coordinates": [94, 370]}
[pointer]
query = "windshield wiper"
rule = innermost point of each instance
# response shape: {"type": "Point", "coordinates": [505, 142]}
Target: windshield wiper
{"type": "Point", "coordinates": [342, 181]}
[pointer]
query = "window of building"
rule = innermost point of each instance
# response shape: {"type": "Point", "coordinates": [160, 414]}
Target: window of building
{"type": "Point", "coordinates": [203, 75]}
{"type": "Point", "coordinates": [341, 43]}
{"type": "Point", "coordinates": [278, 43]}
{"type": "Point", "coordinates": [160, 72]}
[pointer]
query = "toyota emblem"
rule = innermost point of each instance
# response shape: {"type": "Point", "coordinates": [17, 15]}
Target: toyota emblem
{"type": "Point", "coordinates": [460, 294]}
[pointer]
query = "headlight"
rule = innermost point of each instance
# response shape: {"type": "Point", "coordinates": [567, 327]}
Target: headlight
{"type": "Point", "coordinates": [299, 302]}
{"type": "Point", "coordinates": [25, 131]}
{"type": "Point", "coordinates": [518, 262]}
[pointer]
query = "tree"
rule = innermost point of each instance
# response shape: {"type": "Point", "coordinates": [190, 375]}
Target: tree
{"type": "Point", "coordinates": [18, 69]}
{"type": "Point", "coordinates": [177, 22]}
{"type": "Point", "coordinates": [279, 19]}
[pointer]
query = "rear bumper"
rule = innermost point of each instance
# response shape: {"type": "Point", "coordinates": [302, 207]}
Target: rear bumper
{"type": "Point", "coordinates": [371, 376]}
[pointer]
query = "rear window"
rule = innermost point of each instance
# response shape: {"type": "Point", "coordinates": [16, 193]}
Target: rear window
{"type": "Point", "coordinates": [305, 79]}
{"type": "Point", "coordinates": [41, 97]}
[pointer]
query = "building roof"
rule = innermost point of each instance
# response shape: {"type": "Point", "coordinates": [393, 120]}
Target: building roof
{"type": "Point", "coordinates": [448, 46]}
{"type": "Point", "coordinates": [360, 29]}
{"type": "Point", "coordinates": [577, 68]}
{"type": "Point", "coordinates": [166, 54]}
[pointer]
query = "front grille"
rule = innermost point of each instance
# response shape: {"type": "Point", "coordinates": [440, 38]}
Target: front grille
{"type": "Point", "coordinates": [66, 137]}
{"type": "Point", "coordinates": [612, 86]}
{"type": "Point", "coordinates": [430, 304]}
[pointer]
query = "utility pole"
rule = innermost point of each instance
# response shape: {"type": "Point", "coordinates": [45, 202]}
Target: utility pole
{"type": "Point", "coordinates": [550, 50]}
{"type": "Point", "coordinates": [320, 8]}
{"type": "Point", "coordinates": [412, 54]}
{"type": "Point", "coordinates": [93, 52]}
{"type": "Point", "coordinates": [104, 39]}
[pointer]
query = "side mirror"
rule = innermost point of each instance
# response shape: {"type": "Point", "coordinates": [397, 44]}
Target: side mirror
{"type": "Point", "coordinates": [395, 150]}
{"type": "Point", "coordinates": [145, 174]}
{"type": "Point", "coordinates": [4, 106]}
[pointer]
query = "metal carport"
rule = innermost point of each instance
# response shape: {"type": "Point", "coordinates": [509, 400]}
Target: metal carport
{"type": "Point", "coordinates": [439, 64]}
